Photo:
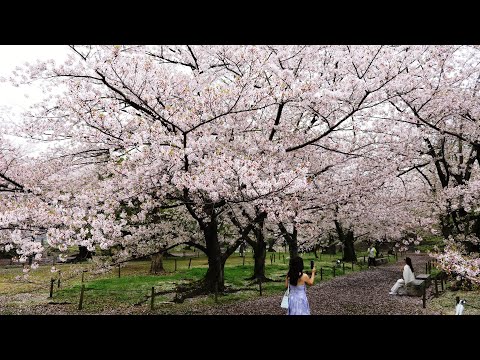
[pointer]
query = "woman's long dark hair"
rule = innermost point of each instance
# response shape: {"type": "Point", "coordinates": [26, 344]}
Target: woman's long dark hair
{"type": "Point", "coordinates": [296, 270]}
{"type": "Point", "coordinates": [409, 263]}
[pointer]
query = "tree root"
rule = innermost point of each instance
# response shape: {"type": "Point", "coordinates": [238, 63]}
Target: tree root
{"type": "Point", "coordinates": [197, 288]}
{"type": "Point", "coordinates": [256, 280]}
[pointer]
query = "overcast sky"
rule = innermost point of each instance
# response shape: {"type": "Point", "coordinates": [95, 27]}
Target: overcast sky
{"type": "Point", "coordinates": [12, 56]}
{"type": "Point", "coordinates": [12, 99]}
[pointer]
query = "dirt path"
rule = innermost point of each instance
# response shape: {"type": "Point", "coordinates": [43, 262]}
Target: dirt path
{"type": "Point", "coordinates": [361, 293]}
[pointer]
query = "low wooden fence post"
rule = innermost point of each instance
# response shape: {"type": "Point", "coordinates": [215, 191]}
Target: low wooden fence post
{"type": "Point", "coordinates": [118, 270]}
{"type": "Point", "coordinates": [52, 281]}
{"type": "Point", "coordinates": [424, 297]}
{"type": "Point", "coordinates": [59, 274]}
{"type": "Point", "coordinates": [190, 263]}
{"type": "Point", "coordinates": [175, 264]}
{"type": "Point", "coordinates": [152, 300]}
{"type": "Point", "coordinates": [80, 304]}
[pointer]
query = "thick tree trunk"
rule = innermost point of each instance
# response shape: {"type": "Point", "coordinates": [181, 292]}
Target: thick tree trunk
{"type": "Point", "coordinates": [331, 249]}
{"type": "Point", "coordinates": [259, 254]}
{"type": "Point", "coordinates": [347, 240]}
{"type": "Point", "coordinates": [270, 246]}
{"type": "Point", "coordinates": [348, 248]}
{"type": "Point", "coordinates": [475, 229]}
{"type": "Point", "coordinates": [291, 240]}
{"type": "Point", "coordinates": [242, 249]}
{"type": "Point", "coordinates": [214, 279]}
{"type": "Point", "coordinates": [156, 265]}
{"type": "Point", "coordinates": [83, 254]}
{"type": "Point", "coordinates": [293, 248]}
{"type": "Point", "coordinates": [446, 226]}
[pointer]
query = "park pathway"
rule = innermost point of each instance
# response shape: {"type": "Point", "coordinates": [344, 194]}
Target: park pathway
{"type": "Point", "coordinates": [360, 293]}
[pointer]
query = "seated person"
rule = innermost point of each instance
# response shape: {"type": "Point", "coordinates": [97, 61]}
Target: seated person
{"type": "Point", "coordinates": [408, 276]}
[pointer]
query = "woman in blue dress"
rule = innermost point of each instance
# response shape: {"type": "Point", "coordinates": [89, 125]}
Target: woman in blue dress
{"type": "Point", "coordinates": [296, 279]}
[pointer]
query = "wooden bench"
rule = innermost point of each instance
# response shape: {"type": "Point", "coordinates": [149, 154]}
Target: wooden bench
{"type": "Point", "coordinates": [426, 277]}
{"type": "Point", "coordinates": [381, 261]}
{"type": "Point", "coordinates": [413, 288]}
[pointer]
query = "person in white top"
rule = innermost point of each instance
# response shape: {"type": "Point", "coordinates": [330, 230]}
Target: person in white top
{"type": "Point", "coordinates": [408, 275]}
{"type": "Point", "coordinates": [372, 254]}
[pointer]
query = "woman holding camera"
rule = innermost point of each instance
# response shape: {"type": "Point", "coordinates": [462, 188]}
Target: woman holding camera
{"type": "Point", "coordinates": [296, 279]}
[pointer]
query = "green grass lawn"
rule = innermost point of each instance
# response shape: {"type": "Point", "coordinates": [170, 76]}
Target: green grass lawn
{"type": "Point", "coordinates": [429, 242]}
{"type": "Point", "coordinates": [445, 303]}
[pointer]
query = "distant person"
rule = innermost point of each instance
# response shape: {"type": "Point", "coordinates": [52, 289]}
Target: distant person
{"type": "Point", "coordinates": [242, 249]}
{"type": "Point", "coordinates": [372, 254]}
{"type": "Point", "coordinates": [296, 279]}
{"type": "Point", "coordinates": [408, 276]}
{"type": "Point", "coordinates": [460, 306]}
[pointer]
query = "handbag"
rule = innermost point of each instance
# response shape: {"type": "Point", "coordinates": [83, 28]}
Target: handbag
{"type": "Point", "coordinates": [285, 298]}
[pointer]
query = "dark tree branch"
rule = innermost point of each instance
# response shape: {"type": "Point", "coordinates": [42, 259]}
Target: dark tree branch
{"type": "Point", "coordinates": [277, 120]}
{"type": "Point", "coordinates": [296, 147]}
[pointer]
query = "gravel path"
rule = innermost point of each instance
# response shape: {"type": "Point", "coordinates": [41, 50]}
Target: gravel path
{"type": "Point", "coordinates": [361, 293]}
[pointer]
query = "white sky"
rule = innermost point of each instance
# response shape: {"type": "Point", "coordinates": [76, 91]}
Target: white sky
{"type": "Point", "coordinates": [12, 99]}
{"type": "Point", "coordinates": [12, 56]}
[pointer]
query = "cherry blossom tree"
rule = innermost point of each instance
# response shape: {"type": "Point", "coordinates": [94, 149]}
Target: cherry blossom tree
{"type": "Point", "coordinates": [173, 138]}
{"type": "Point", "coordinates": [22, 205]}
{"type": "Point", "coordinates": [152, 146]}
{"type": "Point", "coordinates": [443, 104]}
